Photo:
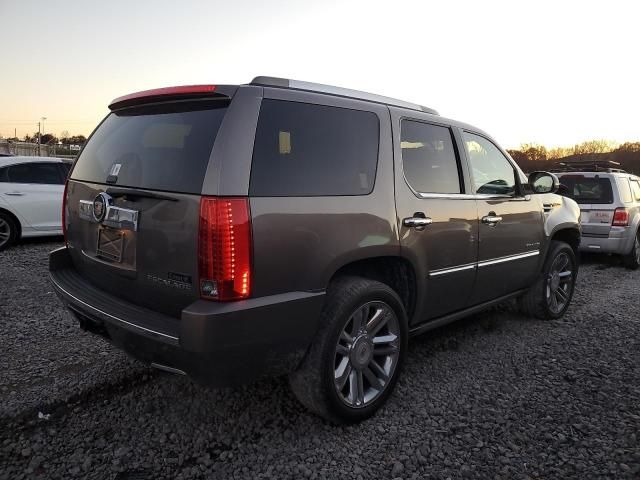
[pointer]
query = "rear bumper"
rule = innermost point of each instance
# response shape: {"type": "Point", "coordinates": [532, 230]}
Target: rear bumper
{"type": "Point", "coordinates": [619, 241]}
{"type": "Point", "coordinates": [221, 344]}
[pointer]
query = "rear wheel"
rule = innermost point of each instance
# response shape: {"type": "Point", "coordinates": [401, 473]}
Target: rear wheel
{"type": "Point", "coordinates": [8, 231]}
{"type": "Point", "coordinates": [632, 259]}
{"type": "Point", "coordinates": [354, 362]}
{"type": "Point", "coordinates": [551, 295]}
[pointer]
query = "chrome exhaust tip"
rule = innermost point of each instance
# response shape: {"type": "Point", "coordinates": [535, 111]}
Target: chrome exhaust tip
{"type": "Point", "coordinates": [168, 369]}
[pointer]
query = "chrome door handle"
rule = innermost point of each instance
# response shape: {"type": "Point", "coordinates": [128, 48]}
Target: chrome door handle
{"type": "Point", "coordinates": [14, 194]}
{"type": "Point", "coordinates": [417, 222]}
{"type": "Point", "coordinates": [492, 219]}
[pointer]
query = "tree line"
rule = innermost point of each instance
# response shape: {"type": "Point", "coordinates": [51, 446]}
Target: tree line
{"type": "Point", "coordinates": [531, 156]}
{"type": "Point", "coordinates": [51, 139]}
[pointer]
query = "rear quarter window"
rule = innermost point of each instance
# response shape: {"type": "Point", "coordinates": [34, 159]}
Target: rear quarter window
{"type": "Point", "coordinates": [313, 150]}
{"type": "Point", "coordinates": [635, 187]}
{"type": "Point", "coordinates": [594, 190]}
{"type": "Point", "coordinates": [624, 189]}
{"type": "Point", "coordinates": [160, 147]}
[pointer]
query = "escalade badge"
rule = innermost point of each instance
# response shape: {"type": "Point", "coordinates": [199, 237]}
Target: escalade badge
{"type": "Point", "coordinates": [100, 204]}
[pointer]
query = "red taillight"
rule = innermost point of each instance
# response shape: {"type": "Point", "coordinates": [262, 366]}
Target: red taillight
{"type": "Point", "coordinates": [224, 248]}
{"type": "Point", "coordinates": [163, 92]}
{"type": "Point", "coordinates": [64, 211]}
{"type": "Point", "coordinates": [620, 217]}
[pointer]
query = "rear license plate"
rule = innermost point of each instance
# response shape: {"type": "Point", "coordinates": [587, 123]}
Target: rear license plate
{"type": "Point", "coordinates": [599, 217]}
{"type": "Point", "coordinates": [110, 244]}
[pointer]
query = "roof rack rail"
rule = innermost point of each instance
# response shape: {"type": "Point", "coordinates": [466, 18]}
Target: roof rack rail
{"type": "Point", "coordinates": [605, 166]}
{"type": "Point", "coordinates": [338, 91]}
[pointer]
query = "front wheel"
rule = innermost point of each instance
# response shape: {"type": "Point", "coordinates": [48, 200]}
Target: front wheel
{"type": "Point", "coordinates": [632, 259]}
{"type": "Point", "coordinates": [354, 362]}
{"type": "Point", "coordinates": [551, 295]}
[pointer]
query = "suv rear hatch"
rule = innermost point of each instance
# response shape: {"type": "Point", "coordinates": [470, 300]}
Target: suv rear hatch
{"type": "Point", "coordinates": [133, 198]}
{"type": "Point", "coordinates": [594, 194]}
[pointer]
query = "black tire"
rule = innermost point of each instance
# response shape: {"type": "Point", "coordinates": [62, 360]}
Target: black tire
{"type": "Point", "coordinates": [8, 231]}
{"type": "Point", "coordinates": [538, 301]}
{"type": "Point", "coordinates": [632, 259]}
{"type": "Point", "coordinates": [314, 383]}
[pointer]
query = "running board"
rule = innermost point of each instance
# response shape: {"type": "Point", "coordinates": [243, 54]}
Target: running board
{"type": "Point", "coordinates": [452, 317]}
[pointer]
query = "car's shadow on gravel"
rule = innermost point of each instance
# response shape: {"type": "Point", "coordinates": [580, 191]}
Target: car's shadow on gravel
{"type": "Point", "coordinates": [269, 408]}
{"type": "Point", "coordinates": [496, 395]}
{"type": "Point", "coordinates": [601, 261]}
{"type": "Point", "coordinates": [26, 242]}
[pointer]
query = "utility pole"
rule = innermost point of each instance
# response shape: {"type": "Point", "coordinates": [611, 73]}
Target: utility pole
{"type": "Point", "coordinates": [44, 132]}
{"type": "Point", "coordinates": [39, 139]}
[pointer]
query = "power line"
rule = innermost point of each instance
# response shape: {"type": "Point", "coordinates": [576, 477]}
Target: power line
{"type": "Point", "coordinates": [52, 121]}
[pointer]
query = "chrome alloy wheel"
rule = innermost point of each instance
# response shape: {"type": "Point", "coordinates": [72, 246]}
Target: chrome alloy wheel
{"type": "Point", "coordinates": [5, 232]}
{"type": "Point", "coordinates": [366, 354]}
{"type": "Point", "coordinates": [559, 283]}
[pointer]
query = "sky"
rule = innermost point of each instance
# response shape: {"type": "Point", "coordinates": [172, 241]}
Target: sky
{"type": "Point", "coordinates": [550, 72]}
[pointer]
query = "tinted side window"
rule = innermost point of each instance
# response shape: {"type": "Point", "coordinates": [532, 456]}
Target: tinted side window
{"type": "Point", "coordinates": [4, 177]}
{"type": "Point", "coordinates": [305, 150]}
{"type": "Point", "coordinates": [429, 158]}
{"type": "Point", "coordinates": [491, 171]}
{"type": "Point", "coordinates": [635, 187]}
{"type": "Point", "coordinates": [42, 173]}
{"type": "Point", "coordinates": [65, 168]}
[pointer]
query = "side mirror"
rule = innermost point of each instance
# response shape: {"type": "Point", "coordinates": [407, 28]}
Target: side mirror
{"type": "Point", "coordinates": [544, 182]}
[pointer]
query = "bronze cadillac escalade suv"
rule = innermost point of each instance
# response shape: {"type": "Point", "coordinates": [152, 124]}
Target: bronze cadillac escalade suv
{"type": "Point", "coordinates": [284, 227]}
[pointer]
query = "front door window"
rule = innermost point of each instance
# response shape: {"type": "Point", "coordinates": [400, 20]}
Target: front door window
{"type": "Point", "coordinates": [492, 173]}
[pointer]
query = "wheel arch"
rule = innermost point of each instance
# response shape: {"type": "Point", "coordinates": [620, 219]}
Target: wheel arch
{"type": "Point", "coordinates": [395, 271]}
{"type": "Point", "coordinates": [569, 235]}
{"type": "Point", "coordinates": [635, 228]}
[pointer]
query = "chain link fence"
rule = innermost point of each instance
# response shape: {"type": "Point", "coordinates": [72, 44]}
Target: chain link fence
{"type": "Point", "coordinates": [35, 150]}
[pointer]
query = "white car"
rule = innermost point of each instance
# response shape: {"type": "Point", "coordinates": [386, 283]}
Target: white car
{"type": "Point", "coordinates": [31, 191]}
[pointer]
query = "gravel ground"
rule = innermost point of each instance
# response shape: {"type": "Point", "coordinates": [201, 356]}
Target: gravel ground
{"type": "Point", "coordinates": [494, 396]}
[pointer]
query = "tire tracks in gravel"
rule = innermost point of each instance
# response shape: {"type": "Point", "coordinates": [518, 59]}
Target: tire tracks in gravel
{"type": "Point", "coordinates": [27, 419]}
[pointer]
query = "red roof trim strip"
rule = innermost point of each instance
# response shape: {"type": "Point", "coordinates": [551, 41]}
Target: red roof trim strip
{"type": "Point", "coordinates": [160, 92]}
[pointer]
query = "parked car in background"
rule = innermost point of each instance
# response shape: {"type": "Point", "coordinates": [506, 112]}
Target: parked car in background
{"type": "Point", "coordinates": [283, 227]}
{"type": "Point", "coordinates": [31, 197]}
{"type": "Point", "coordinates": [609, 200]}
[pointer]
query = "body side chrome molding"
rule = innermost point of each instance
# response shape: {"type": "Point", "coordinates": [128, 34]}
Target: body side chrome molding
{"type": "Point", "coordinates": [444, 271]}
{"type": "Point", "coordinates": [508, 258]}
{"type": "Point", "coordinates": [484, 263]}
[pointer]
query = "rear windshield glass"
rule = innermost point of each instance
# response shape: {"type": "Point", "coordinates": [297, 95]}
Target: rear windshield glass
{"type": "Point", "coordinates": [159, 147]}
{"type": "Point", "coordinates": [586, 189]}
{"type": "Point", "coordinates": [306, 150]}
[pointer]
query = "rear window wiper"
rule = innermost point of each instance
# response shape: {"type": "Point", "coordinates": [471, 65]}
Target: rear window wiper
{"type": "Point", "coordinates": [130, 192]}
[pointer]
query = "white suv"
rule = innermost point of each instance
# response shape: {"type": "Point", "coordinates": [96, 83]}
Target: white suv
{"type": "Point", "coordinates": [609, 200]}
{"type": "Point", "coordinates": [31, 197]}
